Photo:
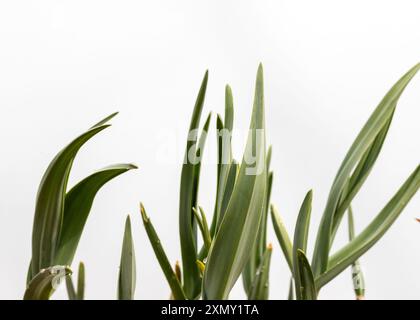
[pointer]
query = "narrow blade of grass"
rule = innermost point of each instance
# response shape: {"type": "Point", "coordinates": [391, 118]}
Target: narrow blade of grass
{"type": "Point", "coordinates": [282, 236]}
{"type": "Point", "coordinates": [171, 276]}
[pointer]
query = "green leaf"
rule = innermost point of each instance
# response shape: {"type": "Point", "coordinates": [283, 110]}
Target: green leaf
{"type": "Point", "coordinates": [291, 295]}
{"type": "Point", "coordinates": [229, 111]}
{"type": "Point", "coordinates": [282, 236]}
{"type": "Point", "coordinates": [307, 290]}
{"type": "Point", "coordinates": [45, 282]}
{"type": "Point", "coordinates": [127, 274]}
{"type": "Point", "coordinates": [300, 240]}
{"type": "Point", "coordinates": [225, 157]}
{"type": "Point", "coordinates": [376, 123]}
{"type": "Point", "coordinates": [188, 200]}
{"type": "Point", "coordinates": [359, 176]}
{"type": "Point", "coordinates": [356, 271]}
{"type": "Point", "coordinates": [78, 203]}
{"type": "Point", "coordinates": [105, 120]}
{"type": "Point", "coordinates": [50, 204]}
{"type": "Point", "coordinates": [204, 228]}
{"type": "Point", "coordinates": [238, 230]}
{"type": "Point", "coordinates": [219, 128]}
{"type": "Point", "coordinates": [373, 232]}
{"type": "Point", "coordinates": [260, 287]}
{"type": "Point", "coordinates": [171, 276]}
{"type": "Point", "coordinates": [81, 282]}
{"type": "Point", "coordinates": [71, 291]}
{"type": "Point", "coordinates": [249, 272]}
{"type": "Point", "coordinates": [201, 266]}
{"type": "Point", "coordinates": [228, 188]}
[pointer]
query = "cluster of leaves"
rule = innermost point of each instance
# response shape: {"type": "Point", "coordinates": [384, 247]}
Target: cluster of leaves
{"type": "Point", "coordinates": [234, 244]}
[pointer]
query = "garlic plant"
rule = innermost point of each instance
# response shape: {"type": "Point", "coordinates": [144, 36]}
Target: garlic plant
{"type": "Point", "coordinates": [310, 278]}
{"type": "Point", "coordinates": [61, 214]}
{"type": "Point", "coordinates": [234, 244]}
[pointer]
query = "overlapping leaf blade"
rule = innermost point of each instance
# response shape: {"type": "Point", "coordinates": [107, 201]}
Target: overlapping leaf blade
{"type": "Point", "coordinates": [188, 200]}
{"type": "Point", "coordinates": [200, 216]}
{"type": "Point", "coordinates": [260, 287]}
{"type": "Point", "coordinates": [225, 157]}
{"type": "Point", "coordinates": [259, 248]}
{"type": "Point", "coordinates": [307, 289]}
{"type": "Point", "coordinates": [360, 174]}
{"type": "Point", "coordinates": [50, 202]}
{"type": "Point", "coordinates": [238, 230]}
{"type": "Point", "coordinates": [300, 242]}
{"type": "Point", "coordinates": [373, 232]}
{"type": "Point", "coordinates": [376, 123]}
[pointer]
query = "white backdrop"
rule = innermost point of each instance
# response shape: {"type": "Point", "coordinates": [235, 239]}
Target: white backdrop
{"type": "Point", "coordinates": [65, 65]}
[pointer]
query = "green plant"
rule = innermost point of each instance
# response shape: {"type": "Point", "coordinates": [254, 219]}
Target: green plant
{"type": "Point", "coordinates": [61, 214]}
{"type": "Point", "coordinates": [234, 244]}
{"type": "Point", "coordinates": [309, 279]}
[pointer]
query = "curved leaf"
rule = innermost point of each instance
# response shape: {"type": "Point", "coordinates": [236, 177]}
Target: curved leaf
{"type": "Point", "coordinates": [50, 203]}
{"type": "Point", "coordinates": [359, 176]}
{"type": "Point", "coordinates": [45, 282]}
{"type": "Point", "coordinates": [77, 207]}
{"type": "Point", "coordinates": [204, 228]}
{"type": "Point", "coordinates": [376, 123]}
{"type": "Point", "coordinates": [307, 289]}
{"type": "Point", "coordinates": [373, 232]}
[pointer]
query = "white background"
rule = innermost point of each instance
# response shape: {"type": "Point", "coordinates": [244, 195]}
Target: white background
{"type": "Point", "coordinates": [65, 65]}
